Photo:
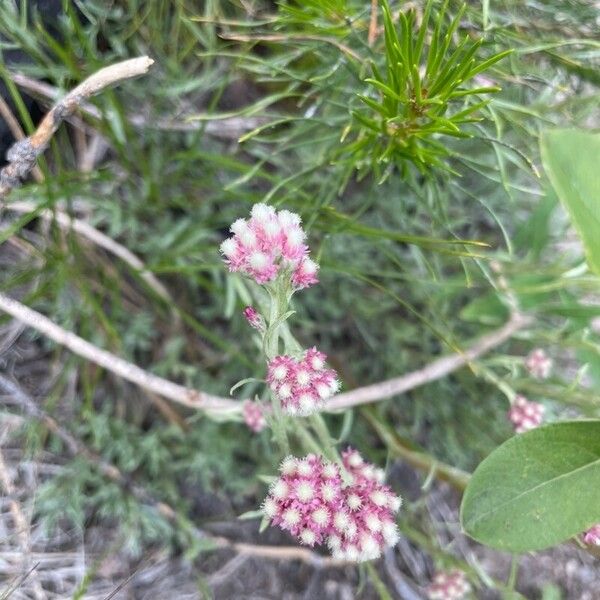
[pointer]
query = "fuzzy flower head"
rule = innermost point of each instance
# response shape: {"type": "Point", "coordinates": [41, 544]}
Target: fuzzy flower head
{"type": "Point", "coordinates": [310, 501]}
{"type": "Point", "coordinates": [268, 243]}
{"type": "Point", "coordinates": [305, 498]}
{"type": "Point", "coordinates": [302, 386]}
{"type": "Point", "coordinates": [366, 524]}
{"type": "Point", "coordinates": [255, 319]}
{"type": "Point", "coordinates": [448, 585]}
{"type": "Point", "coordinates": [592, 536]}
{"type": "Point", "coordinates": [254, 416]}
{"type": "Point", "coordinates": [525, 415]}
{"type": "Point", "coordinates": [538, 364]}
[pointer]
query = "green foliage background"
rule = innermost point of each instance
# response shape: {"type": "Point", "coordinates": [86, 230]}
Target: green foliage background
{"type": "Point", "coordinates": [391, 224]}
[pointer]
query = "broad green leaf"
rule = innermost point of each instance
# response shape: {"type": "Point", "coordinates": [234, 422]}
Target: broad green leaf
{"type": "Point", "coordinates": [537, 490]}
{"type": "Point", "coordinates": [570, 158]}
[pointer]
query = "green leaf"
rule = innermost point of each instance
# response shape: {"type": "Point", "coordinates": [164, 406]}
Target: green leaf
{"type": "Point", "coordinates": [570, 158]}
{"type": "Point", "coordinates": [242, 382]}
{"type": "Point", "coordinates": [251, 514]}
{"type": "Point", "coordinates": [537, 490]}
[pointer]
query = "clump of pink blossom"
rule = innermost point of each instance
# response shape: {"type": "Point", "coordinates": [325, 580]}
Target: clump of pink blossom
{"type": "Point", "coordinates": [254, 416]}
{"type": "Point", "coordinates": [268, 243]}
{"type": "Point", "coordinates": [448, 585]}
{"type": "Point", "coordinates": [310, 501]}
{"type": "Point", "coordinates": [254, 319]}
{"type": "Point", "coordinates": [366, 523]}
{"type": "Point", "coordinates": [592, 536]}
{"type": "Point", "coordinates": [305, 498]}
{"type": "Point", "coordinates": [538, 364]}
{"type": "Point", "coordinates": [525, 415]}
{"type": "Point", "coordinates": [302, 386]}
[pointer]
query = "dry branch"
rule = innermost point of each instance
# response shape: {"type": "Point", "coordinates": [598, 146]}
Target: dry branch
{"type": "Point", "coordinates": [173, 391]}
{"type": "Point", "coordinates": [23, 155]}
{"type": "Point", "coordinates": [433, 371]}
{"type": "Point", "coordinates": [218, 406]}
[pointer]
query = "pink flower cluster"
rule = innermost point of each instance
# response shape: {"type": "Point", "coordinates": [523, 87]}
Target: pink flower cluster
{"type": "Point", "coordinates": [310, 501]}
{"type": "Point", "coordinates": [268, 243]}
{"type": "Point", "coordinates": [448, 585]}
{"type": "Point", "coordinates": [539, 364]}
{"type": "Point", "coordinates": [302, 385]}
{"type": "Point", "coordinates": [254, 416]}
{"type": "Point", "coordinates": [305, 498]}
{"type": "Point", "coordinates": [592, 536]}
{"type": "Point", "coordinates": [525, 415]}
{"type": "Point", "coordinates": [366, 525]}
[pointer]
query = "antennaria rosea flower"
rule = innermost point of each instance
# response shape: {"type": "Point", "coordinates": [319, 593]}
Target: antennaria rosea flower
{"type": "Point", "coordinates": [305, 498]}
{"type": "Point", "coordinates": [525, 415]}
{"type": "Point", "coordinates": [448, 585]}
{"type": "Point", "coordinates": [302, 386]}
{"type": "Point", "coordinates": [310, 500]}
{"type": "Point", "coordinates": [254, 416]}
{"type": "Point", "coordinates": [366, 525]}
{"type": "Point", "coordinates": [254, 318]}
{"type": "Point", "coordinates": [268, 243]}
{"type": "Point", "coordinates": [592, 536]}
{"type": "Point", "coordinates": [539, 364]}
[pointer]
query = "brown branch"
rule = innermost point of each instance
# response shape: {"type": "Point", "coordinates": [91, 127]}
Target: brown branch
{"type": "Point", "coordinates": [173, 391]}
{"type": "Point", "coordinates": [23, 155]}
{"type": "Point", "coordinates": [433, 371]}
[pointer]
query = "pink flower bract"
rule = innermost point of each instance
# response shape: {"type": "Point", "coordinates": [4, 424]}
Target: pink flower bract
{"type": "Point", "coordinates": [254, 318]}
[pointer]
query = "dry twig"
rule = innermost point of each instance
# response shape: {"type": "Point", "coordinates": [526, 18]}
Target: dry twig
{"type": "Point", "coordinates": [373, 23]}
{"type": "Point", "coordinates": [168, 389]}
{"type": "Point", "coordinates": [23, 155]}
{"type": "Point", "coordinates": [433, 371]}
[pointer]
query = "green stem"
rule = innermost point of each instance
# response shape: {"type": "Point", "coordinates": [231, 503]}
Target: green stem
{"type": "Point", "coordinates": [320, 428]}
{"type": "Point", "coordinates": [421, 460]}
{"type": "Point", "coordinates": [308, 441]}
{"type": "Point", "coordinates": [490, 376]}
